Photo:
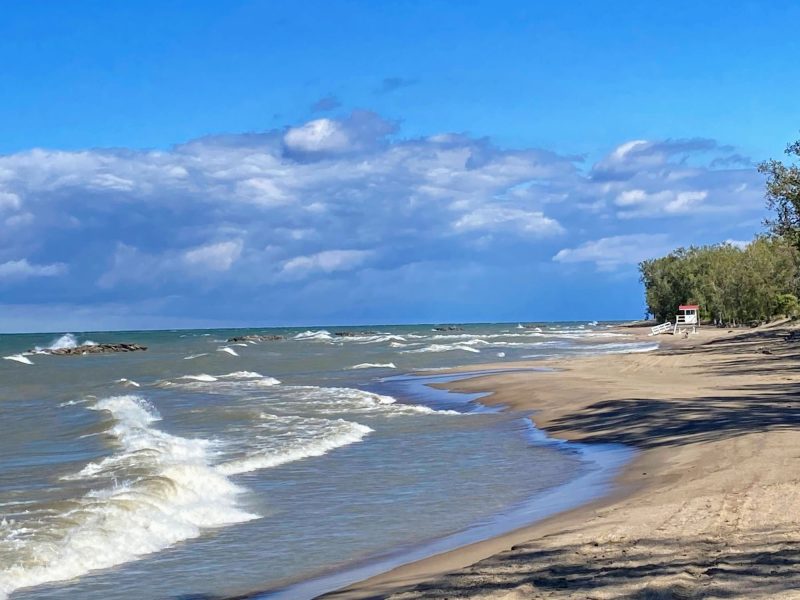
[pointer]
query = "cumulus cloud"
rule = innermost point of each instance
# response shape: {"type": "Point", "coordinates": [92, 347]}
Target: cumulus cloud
{"type": "Point", "coordinates": [275, 214]}
{"type": "Point", "coordinates": [327, 261]}
{"type": "Point", "coordinates": [673, 178]}
{"type": "Point", "coordinates": [216, 257]}
{"type": "Point", "coordinates": [498, 219]}
{"type": "Point", "coordinates": [611, 252]}
{"type": "Point", "coordinates": [22, 269]}
{"type": "Point", "coordinates": [317, 136]}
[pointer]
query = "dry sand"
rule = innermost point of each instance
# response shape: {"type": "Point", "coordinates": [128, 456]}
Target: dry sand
{"type": "Point", "coordinates": [710, 508]}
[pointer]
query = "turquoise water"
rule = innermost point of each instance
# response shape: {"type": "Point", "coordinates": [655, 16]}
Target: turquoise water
{"type": "Point", "coordinates": [209, 468]}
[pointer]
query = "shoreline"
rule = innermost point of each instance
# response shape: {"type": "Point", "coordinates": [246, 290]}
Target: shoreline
{"type": "Point", "coordinates": [603, 463]}
{"type": "Point", "coordinates": [696, 489]}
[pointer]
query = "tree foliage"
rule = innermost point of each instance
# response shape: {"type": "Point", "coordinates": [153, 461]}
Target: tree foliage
{"type": "Point", "coordinates": [732, 285]}
{"type": "Point", "coordinates": [783, 195]}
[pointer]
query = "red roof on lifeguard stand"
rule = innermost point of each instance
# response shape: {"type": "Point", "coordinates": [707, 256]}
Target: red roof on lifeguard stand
{"type": "Point", "coordinates": [689, 307]}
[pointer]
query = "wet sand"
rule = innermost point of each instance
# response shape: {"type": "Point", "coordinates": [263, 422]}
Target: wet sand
{"type": "Point", "coordinates": [709, 508]}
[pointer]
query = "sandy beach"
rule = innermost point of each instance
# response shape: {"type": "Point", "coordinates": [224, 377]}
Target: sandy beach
{"type": "Point", "coordinates": [707, 509]}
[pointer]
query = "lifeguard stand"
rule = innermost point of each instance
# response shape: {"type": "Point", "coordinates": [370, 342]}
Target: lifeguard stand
{"type": "Point", "coordinates": [688, 314]}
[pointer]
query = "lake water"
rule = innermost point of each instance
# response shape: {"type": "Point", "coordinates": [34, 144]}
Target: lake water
{"type": "Point", "coordinates": [206, 468]}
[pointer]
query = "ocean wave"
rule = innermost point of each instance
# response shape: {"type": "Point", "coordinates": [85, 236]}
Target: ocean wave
{"type": "Point", "coordinates": [228, 350]}
{"type": "Point", "coordinates": [65, 342]}
{"type": "Point", "coordinates": [221, 383]}
{"type": "Point", "coordinates": [336, 400]}
{"type": "Point", "coordinates": [174, 494]}
{"type": "Point", "coordinates": [442, 348]}
{"type": "Point", "coordinates": [374, 366]}
{"type": "Point", "coordinates": [20, 358]}
{"type": "Point", "coordinates": [623, 348]}
{"type": "Point", "coordinates": [314, 335]}
{"type": "Point", "coordinates": [201, 377]}
{"type": "Point", "coordinates": [191, 356]}
{"type": "Point", "coordinates": [251, 377]}
{"type": "Point", "coordinates": [376, 339]}
{"type": "Point", "coordinates": [128, 382]}
{"type": "Point", "coordinates": [338, 433]}
{"type": "Point", "coordinates": [241, 375]}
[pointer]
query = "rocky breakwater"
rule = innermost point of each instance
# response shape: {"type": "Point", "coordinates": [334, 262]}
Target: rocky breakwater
{"type": "Point", "coordinates": [256, 338]}
{"type": "Point", "coordinates": [93, 349]}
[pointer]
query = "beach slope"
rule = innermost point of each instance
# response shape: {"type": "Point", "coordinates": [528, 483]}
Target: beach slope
{"type": "Point", "coordinates": [710, 508]}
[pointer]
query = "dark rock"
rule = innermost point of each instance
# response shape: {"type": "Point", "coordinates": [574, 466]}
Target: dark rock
{"type": "Point", "coordinates": [448, 328]}
{"type": "Point", "coordinates": [353, 333]}
{"type": "Point", "coordinates": [95, 349]}
{"type": "Point", "coordinates": [256, 338]}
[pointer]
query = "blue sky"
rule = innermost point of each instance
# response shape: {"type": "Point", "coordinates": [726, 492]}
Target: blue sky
{"type": "Point", "coordinates": [168, 164]}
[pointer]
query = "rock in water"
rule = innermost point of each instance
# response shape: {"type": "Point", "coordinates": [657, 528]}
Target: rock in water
{"type": "Point", "coordinates": [95, 349]}
{"type": "Point", "coordinates": [256, 338]}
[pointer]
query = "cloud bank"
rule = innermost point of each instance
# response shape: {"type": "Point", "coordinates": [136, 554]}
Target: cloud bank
{"type": "Point", "coordinates": [340, 218]}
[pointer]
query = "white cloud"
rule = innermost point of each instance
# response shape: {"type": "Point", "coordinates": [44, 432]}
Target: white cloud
{"type": "Point", "coordinates": [216, 257]}
{"type": "Point", "coordinates": [22, 269]}
{"type": "Point", "coordinates": [327, 261]}
{"type": "Point", "coordinates": [685, 201]}
{"type": "Point", "coordinates": [244, 216]}
{"type": "Point", "coordinates": [639, 203]}
{"type": "Point", "coordinates": [9, 200]}
{"type": "Point", "coordinates": [611, 252]}
{"type": "Point", "coordinates": [317, 136]}
{"type": "Point", "coordinates": [498, 219]}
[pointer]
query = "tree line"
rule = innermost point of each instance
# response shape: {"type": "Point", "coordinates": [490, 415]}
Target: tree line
{"type": "Point", "coordinates": [733, 284]}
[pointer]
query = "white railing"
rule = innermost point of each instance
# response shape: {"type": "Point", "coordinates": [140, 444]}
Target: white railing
{"type": "Point", "coordinates": [663, 328]}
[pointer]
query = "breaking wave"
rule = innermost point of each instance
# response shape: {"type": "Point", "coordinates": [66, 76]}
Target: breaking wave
{"type": "Point", "coordinates": [442, 348]}
{"type": "Point", "coordinates": [65, 342]}
{"type": "Point", "coordinates": [314, 335]}
{"type": "Point", "coordinates": [20, 358]}
{"type": "Point", "coordinates": [326, 436]}
{"type": "Point", "coordinates": [167, 492]}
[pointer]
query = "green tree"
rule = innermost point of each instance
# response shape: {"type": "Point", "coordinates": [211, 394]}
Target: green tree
{"type": "Point", "coordinates": [732, 285]}
{"type": "Point", "coordinates": [783, 195]}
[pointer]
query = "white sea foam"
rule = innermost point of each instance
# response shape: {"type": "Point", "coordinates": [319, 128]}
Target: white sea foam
{"type": "Point", "coordinates": [374, 366]}
{"type": "Point", "coordinates": [74, 402]}
{"type": "Point", "coordinates": [238, 380]}
{"type": "Point", "coordinates": [20, 358]}
{"type": "Point", "coordinates": [191, 356]}
{"type": "Point", "coordinates": [335, 400]}
{"type": "Point", "coordinates": [228, 349]}
{"type": "Point", "coordinates": [241, 375]}
{"type": "Point", "coordinates": [442, 348]}
{"type": "Point", "coordinates": [251, 377]}
{"type": "Point", "coordinates": [65, 342]}
{"type": "Point", "coordinates": [376, 339]}
{"type": "Point", "coordinates": [314, 335]}
{"type": "Point", "coordinates": [180, 495]}
{"type": "Point", "coordinates": [501, 354]}
{"type": "Point", "coordinates": [201, 377]}
{"type": "Point", "coordinates": [624, 348]}
{"type": "Point", "coordinates": [128, 382]}
{"type": "Point", "coordinates": [336, 434]}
